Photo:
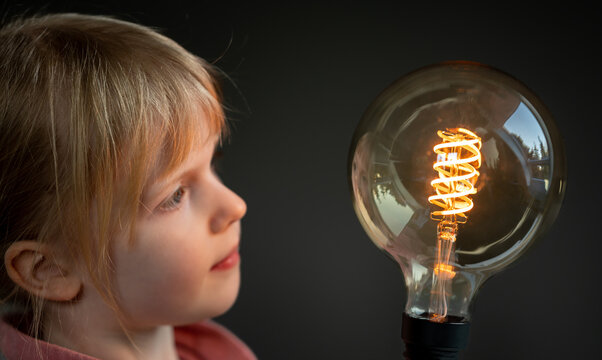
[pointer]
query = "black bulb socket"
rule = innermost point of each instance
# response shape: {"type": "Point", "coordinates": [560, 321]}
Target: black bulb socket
{"type": "Point", "coordinates": [429, 340]}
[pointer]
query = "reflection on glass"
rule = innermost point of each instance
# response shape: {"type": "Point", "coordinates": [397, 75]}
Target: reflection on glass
{"type": "Point", "coordinates": [530, 141]}
{"type": "Point", "coordinates": [394, 214]}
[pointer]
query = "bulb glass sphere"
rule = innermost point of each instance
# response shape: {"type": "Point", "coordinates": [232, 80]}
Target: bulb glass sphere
{"type": "Point", "coordinates": [455, 170]}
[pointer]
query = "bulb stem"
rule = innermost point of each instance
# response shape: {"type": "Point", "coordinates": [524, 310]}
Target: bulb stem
{"type": "Point", "coordinates": [443, 270]}
{"type": "Point", "coordinates": [428, 340]}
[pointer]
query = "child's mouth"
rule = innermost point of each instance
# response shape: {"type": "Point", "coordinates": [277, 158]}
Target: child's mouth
{"type": "Point", "coordinates": [228, 262]}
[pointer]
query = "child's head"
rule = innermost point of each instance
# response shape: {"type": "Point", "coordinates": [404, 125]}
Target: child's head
{"type": "Point", "coordinates": [107, 130]}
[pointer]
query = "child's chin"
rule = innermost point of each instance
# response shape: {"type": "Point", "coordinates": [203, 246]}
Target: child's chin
{"type": "Point", "coordinates": [221, 302]}
{"type": "Point", "coordinates": [228, 300]}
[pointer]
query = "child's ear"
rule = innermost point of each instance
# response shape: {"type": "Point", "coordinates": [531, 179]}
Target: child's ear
{"type": "Point", "coordinates": [33, 266]}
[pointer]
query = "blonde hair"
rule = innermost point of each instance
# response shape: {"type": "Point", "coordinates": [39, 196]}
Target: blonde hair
{"type": "Point", "coordinates": [89, 107]}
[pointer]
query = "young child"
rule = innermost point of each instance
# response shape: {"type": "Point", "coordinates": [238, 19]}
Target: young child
{"type": "Point", "coordinates": [116, 232]}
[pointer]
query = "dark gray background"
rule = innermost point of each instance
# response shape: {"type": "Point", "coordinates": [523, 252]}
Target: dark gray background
{"type": "Point", "coordinates": [314, 286]}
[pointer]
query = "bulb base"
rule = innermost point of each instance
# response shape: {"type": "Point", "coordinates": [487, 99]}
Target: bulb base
{"type": "Point", "coordinates": [428, 340]}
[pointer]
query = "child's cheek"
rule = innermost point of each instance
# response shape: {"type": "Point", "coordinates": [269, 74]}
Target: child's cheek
{"type": "Point", "coordinates": [183, 274]}
{"type": "Point", "coordinates": [162, 278]}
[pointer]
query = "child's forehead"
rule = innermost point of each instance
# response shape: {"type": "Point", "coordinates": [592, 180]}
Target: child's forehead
{"type": "Point", "coordinates": [167, 167]}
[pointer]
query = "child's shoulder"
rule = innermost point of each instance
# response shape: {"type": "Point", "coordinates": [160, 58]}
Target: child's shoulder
{"type": "Point", "coordinates": [15, 344]}
{"type": "Point", "coordinates": [200, 341]}
{"type": "Point", "coordinates": [210, 340]}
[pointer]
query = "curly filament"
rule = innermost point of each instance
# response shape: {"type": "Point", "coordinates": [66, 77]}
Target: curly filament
{"type": "Point", "coordinates": [458, 158]}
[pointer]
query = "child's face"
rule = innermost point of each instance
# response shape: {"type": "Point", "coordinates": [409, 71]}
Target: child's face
{"type": "Point", "coordinates": [183, 265]}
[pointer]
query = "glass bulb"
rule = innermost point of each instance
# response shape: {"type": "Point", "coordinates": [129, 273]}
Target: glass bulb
{"type": "Point", "coordinates": [455, 170]}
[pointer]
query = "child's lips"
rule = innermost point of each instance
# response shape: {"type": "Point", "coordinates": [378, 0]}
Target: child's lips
{"type": "Point", "coordinates": [228, 262]}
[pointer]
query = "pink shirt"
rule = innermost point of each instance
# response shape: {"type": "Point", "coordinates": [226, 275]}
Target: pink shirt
{"type": "Point", "coordinates": [203, 341]}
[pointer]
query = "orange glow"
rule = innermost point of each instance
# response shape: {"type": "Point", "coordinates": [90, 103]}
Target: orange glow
{"type": "Point", "coordinates": [458, 158]}
{"type": "Point", "coordinates": [445, 270]}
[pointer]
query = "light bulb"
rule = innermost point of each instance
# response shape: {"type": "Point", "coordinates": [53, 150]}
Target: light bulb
{"type": "Point", "coordinates": [455, 170]}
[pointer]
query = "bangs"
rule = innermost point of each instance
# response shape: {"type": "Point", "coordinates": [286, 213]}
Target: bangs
{"type": "Point", "coordinates": [179, 113]}
{"type": "Point", "coordinates": [191, 117]}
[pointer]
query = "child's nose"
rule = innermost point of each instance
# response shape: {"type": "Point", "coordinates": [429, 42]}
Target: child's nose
{"type": "Point", "coordinates": [231, 208]}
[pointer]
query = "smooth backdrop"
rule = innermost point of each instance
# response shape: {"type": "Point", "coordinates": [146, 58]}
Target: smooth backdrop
{"type": "Point", "coordinates": [300, 76]}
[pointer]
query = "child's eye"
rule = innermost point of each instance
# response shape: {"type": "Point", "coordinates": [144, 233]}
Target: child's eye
{"type": "Point", "coordinates": [174, 201]}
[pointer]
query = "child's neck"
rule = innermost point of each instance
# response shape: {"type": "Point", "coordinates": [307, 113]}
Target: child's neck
{"type": "Point", "coordinates": [96, 332]}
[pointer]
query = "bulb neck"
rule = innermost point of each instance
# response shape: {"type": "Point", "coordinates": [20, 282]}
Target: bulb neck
{"type": "Point", "coordinates": [428, 340]}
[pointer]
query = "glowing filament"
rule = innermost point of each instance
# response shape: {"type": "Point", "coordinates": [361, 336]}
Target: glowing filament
{"type": "Point", "coordinates": [458, 158]}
